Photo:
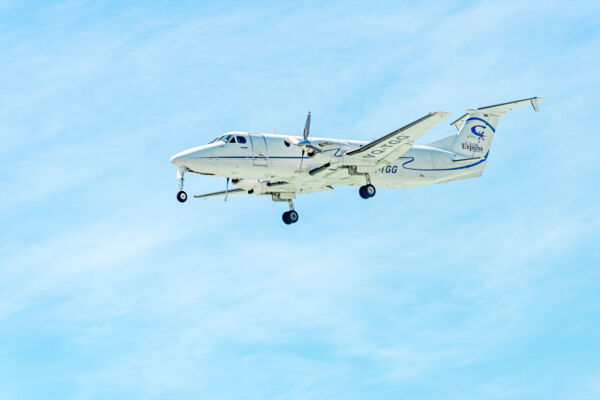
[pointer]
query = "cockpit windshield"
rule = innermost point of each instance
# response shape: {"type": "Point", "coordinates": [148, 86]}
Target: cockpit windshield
{"type": "Point", "coordinates": [228, 138]}
{"type": "Point", "coordinates": [222, 138]}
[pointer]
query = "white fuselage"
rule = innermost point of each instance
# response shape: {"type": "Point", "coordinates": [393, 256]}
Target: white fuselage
{"type": "Point", "coordinates": [269, 157]}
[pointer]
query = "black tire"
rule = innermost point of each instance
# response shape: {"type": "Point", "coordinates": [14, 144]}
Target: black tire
{"type": "Point", "coordinates": [181, 196]}
{"type": "Point", "coordinates": [363, 193]}
{"type": "Point", "coordinates": [286, 219]}
{"type": "Point", "coordinates": [293, 216]}
{"type": "Point", "coordinates": [370, 190]}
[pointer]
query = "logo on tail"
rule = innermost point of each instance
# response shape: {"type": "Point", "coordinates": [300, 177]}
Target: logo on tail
{"type": "Point", "coordinates": [480, 133]}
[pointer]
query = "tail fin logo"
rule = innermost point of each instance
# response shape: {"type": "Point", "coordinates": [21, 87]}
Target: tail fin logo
{"type": "Point", "coordinates": [479, 133]}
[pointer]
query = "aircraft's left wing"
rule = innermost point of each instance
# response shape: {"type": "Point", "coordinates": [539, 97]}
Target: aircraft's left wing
{"type": "Point", "coordinates": [232, 192]}
{"type": "Point", "coordinates": [267, 188]}
{"type": "Point", "coordinates": [387, 149]}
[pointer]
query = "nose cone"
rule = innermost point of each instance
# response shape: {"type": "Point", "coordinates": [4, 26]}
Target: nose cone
{"type": "Point", "coordinates": [191, 156]}
{"type": "Point", "coordinates": [180, 159]}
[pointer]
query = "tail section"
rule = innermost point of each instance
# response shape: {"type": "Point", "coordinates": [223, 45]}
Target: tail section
{"type": "Point", "coordinates": [475, 137]}
{"type": "Point", "coordinates": [476, 128]}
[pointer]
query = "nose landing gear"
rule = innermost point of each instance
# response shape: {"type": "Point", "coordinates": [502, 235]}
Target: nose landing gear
{"type": "Point", "coordinates": [290, 217]}
{"type": "Point", "coordinates": [181, 195]}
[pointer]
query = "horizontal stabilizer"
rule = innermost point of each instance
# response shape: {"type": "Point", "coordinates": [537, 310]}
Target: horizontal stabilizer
{"type": "Point", "coordinates": [503, 108]}
{"type": "Point", "coordinates": [498, 109]}
{"type": "Point", "coordinates": [445, 143]}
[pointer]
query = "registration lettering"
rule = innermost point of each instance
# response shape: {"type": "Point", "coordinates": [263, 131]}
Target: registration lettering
{"type": "Point", "coordinates": [390, 169]}
{"type": "Point", "coordinates": [385, 147]}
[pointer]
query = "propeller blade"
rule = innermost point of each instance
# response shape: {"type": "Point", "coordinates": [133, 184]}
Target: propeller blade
{"type": "Point", "coordinates": [305, 142]}
{"type": "Point", "coordinates": [307, 126]}
{"type": "Point", "coordinates": [226, 189]}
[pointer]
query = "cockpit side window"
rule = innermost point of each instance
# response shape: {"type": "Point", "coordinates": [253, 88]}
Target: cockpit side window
{"type": "Point", "coordinates": [241, 139]}
{"type": "Point", "coordinates": [232, 139]}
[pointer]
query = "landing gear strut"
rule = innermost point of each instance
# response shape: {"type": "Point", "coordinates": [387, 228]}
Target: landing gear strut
{"type": "Point", "coordinates": [367, 191]}
{"type": "Point", "coordinates": [181, 195]}
{"type": "Point", "coordinates": [290, 217]}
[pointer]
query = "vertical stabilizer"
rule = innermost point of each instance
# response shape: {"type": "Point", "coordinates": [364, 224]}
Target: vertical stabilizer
{"type": "Point", "coordinates": [475, 137]}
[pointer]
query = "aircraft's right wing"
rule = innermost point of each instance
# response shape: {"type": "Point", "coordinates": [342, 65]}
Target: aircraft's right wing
{"type": "Point", "coordinates": [387, 149]}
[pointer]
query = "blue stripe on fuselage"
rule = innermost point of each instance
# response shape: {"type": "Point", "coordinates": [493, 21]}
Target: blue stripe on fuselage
{"type": "Point", "coordinates": [411, 159]}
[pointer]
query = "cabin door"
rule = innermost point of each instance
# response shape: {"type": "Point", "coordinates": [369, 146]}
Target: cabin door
{"type": "Point", "coordinates": [259, 150]}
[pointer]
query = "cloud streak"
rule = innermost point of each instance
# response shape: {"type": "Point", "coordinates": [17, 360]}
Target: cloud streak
{"type": "Point", "coordinates": [110, 288]}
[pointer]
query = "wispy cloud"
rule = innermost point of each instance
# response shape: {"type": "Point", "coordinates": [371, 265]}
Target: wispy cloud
{"type": "Point", "coordinates": [110, 288]}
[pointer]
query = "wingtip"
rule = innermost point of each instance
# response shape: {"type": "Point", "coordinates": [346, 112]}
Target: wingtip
{"type": "Point", "coordinates": [535, 101]}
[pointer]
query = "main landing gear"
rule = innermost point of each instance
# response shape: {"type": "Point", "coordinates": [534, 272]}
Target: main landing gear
{"type": "Point", "coordinates": [367, 191]}
{"type": "Point", "coordinates": [181, 195]}
{"type": "Point", "coordinates": [290, 217]}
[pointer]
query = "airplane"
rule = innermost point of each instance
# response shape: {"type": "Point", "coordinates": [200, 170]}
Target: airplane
{"type": "Point", "coordinates": [285, 166]}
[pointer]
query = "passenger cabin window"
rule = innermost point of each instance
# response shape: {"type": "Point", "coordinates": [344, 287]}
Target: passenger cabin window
{"type": "Point", "coordinates": [241, 139]}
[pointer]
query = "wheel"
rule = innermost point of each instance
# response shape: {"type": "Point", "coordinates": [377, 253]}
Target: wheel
{"type": "Point", "coordinates": [182, 196]}
{"type": "Point", "coordinates": [370, 190]}
{"type": "Point", "coordinates": [363, 193]}
{"type": "Point", "coordinates": [286, 218]}
{"type": "Point", "coordinates": [293, 216]}
{"type": "Point", "coordinates": [290, 217]}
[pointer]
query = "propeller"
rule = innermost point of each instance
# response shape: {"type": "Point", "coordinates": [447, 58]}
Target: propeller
{"type": "Point", "coordinates": [305, 142]}
{"type": "Point", "coordinates": [226, 190]}
{"type": "Point", "coordinates": [307, 126]}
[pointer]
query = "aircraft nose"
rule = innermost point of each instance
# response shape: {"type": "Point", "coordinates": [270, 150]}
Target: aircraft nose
{"type": "Point", "coordinates": [180, 158]}
{"type": "Point", "coordinates": [183, 158]}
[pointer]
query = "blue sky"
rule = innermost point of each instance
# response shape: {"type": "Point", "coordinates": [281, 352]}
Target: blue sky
{"type": "Point", "coordinates": [111, 289]}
